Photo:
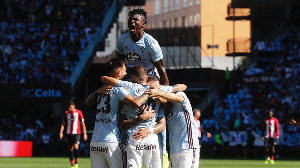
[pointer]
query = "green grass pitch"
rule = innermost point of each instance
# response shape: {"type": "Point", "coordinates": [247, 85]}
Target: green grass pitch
{"type": "Point", "coordinates": [84, 162]}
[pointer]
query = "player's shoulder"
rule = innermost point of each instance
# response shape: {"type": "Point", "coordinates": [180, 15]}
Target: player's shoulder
{"type": "Point", "coordinates": [118, 89]}
{"type": "Point", "coordinates": [149, 39]}
{"type": "Point", "coordinates": [181, 93]}
{"type": "Point", "coordinates": [124, 37]}
{"type": "Point", "coordinates": [78, 111]}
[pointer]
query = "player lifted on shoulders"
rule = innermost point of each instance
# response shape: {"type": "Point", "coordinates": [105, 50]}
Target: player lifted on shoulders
{"type": "Point", "coordinates": [140, 48]}
{"type": "Point", "coordinates": [270, 134]}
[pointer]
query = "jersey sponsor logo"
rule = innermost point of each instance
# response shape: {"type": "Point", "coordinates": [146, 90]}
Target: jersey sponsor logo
{"type": "Point", "coordinates": [104, 120]}
{"type": "Point", "coordinates": [132, 56]}
{"type": "Point", "coordinates": [145, 147]}
{"type": "Point", "coordinates": [99, 149]}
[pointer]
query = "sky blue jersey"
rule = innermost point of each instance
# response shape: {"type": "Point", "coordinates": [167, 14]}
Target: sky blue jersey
{"type": "Point", "coordinates": [108, 107]}
{"type": "Point", "coordinates": [144, 52]}
{"type": "Point", "coordinates": [181, 126]}
{"type": "Point", "coordinates": [135, 91]}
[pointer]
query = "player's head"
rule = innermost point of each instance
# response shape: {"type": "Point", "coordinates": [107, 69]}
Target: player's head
{"type": "Point", "coordinates": [137, 20]}
{"type": "Point", "coordinates": [153, 81]}
{"type": "Point", "coordinates": [270, 113]}
{"type": "Point", "coordinates": [197, 113]}
{"type": "Point", "coordinates": [71, 105]}
{"type": "Point", "coordinates": [116, 68]}
{"type": "Point", "coordinates": [138, 74]}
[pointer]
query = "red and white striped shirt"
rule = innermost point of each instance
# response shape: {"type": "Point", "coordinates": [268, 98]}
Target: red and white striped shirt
{"type": "Point", "coordinates": [272, 128]}
{"type": "Point", "coordinates": [198, 124]}
{"type": "Point", "coordinates": [73, 121]}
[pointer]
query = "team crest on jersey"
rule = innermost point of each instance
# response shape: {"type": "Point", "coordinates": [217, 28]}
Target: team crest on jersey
{"type": "Point", "coordinates": [132, 56]}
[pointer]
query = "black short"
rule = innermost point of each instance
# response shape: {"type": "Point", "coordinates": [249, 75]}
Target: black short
{"type": "Point", "coordinates": [73, 139]}
{"type": "Point", "coordinates": [270, 141]}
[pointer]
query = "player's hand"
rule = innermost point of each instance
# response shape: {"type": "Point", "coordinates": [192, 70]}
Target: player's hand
{"type": "Point", "coordinates": [159, 99]}
{"type": "Point", "coordinates": [262, 138]}
{"type": "Point", "coordinates": [61, 135]}
{"type": "Point", "coordinates": [153, 92]}
{"type": "Point", "coordinates": [147, 114]}
{"type": "Point", "coordinates": [141, 133]}
{"type": "Point", "coordinates": [85, 137]}
{"type": "Point", "coordinates": [208, 135]}
{"type": "Point", "coordinates": [104, 88]}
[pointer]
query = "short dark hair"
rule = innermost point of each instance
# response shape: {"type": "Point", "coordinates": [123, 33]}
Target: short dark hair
{"type": "Point", "coordinates": [138, 11]}
{"type": "Point", "coordinates": [71, 102]}
{"type": "Point", "coordinates": [139, 72]}
{"type": "Point", "coordinates": [113, 64]}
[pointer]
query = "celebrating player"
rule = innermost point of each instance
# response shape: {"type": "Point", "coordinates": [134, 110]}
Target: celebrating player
{"type": "Point", "coordinates": [270, 133]}
{"type": "Point", "coordinates": [104, 146]}
{"type": "Point", "coordinates": [72, 121]}
{"type": "Point", "coordinates": [183, 139]}
{"type": "Point", "coordinates": [140, 48]}
{"type": "Point", "coordinates": [143, 146]}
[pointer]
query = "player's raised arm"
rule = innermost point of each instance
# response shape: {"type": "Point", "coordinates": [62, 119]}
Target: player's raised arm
{"type": "Point", "coordinates": [169, 96]}
{"type": "Point", "coordinates": [179, 88]}
{"type": "Point", "coordinates": [136, 102]}
{"type": "Point", "coordinates": [110, 80]}
{"type": "Point", "coordinates": [162, 72]}
{"type": "Point", "coordinates": [92, 99]}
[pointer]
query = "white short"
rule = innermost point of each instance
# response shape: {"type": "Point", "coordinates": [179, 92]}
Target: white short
{"type": "Point", "coordinates": [147, 151]}
{"type": "Point", "coordinates": [105, 155]}
{"type": "Point", "coordinates": [185, 158]}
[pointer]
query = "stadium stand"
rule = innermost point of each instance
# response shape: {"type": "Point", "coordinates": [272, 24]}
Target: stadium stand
{"type": "Point", "coordinates": [42, 41]}
{"type": "Point", "coordinates": [274, 87]}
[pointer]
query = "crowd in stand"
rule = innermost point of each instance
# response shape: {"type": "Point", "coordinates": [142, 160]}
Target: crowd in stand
{"type": "Point", "coordinates": [25, 130]}
{"type": "Point", "coordinates": [275, 87]}
{"type": "Point", "coordinates": [41, 40]}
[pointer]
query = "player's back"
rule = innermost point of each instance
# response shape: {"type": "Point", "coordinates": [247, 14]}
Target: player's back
{"type": "Point", "coordinates": [106, 124]}
{"type": "Point", "coordinates": [181, 126]}
{"type": "Point", "coordinates": [136, 90]}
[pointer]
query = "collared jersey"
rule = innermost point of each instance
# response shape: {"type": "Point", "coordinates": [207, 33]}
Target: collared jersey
{"type": "Point", "coordinates": [144, 52]}
{"type": "Point", "coordinates": [272, 128]}
{"type": "Point", "coordinates": [73, 120]}
{"type": "Point", "coordinates": [181, 125]}
{"type": "Point", "coordinates": [136, 90]}
{"type": "Point", "coordinates": [106, 124]}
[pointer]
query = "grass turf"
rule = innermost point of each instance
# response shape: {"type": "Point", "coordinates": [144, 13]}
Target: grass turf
{"type": "Point", "coordinates": [84, 162]}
